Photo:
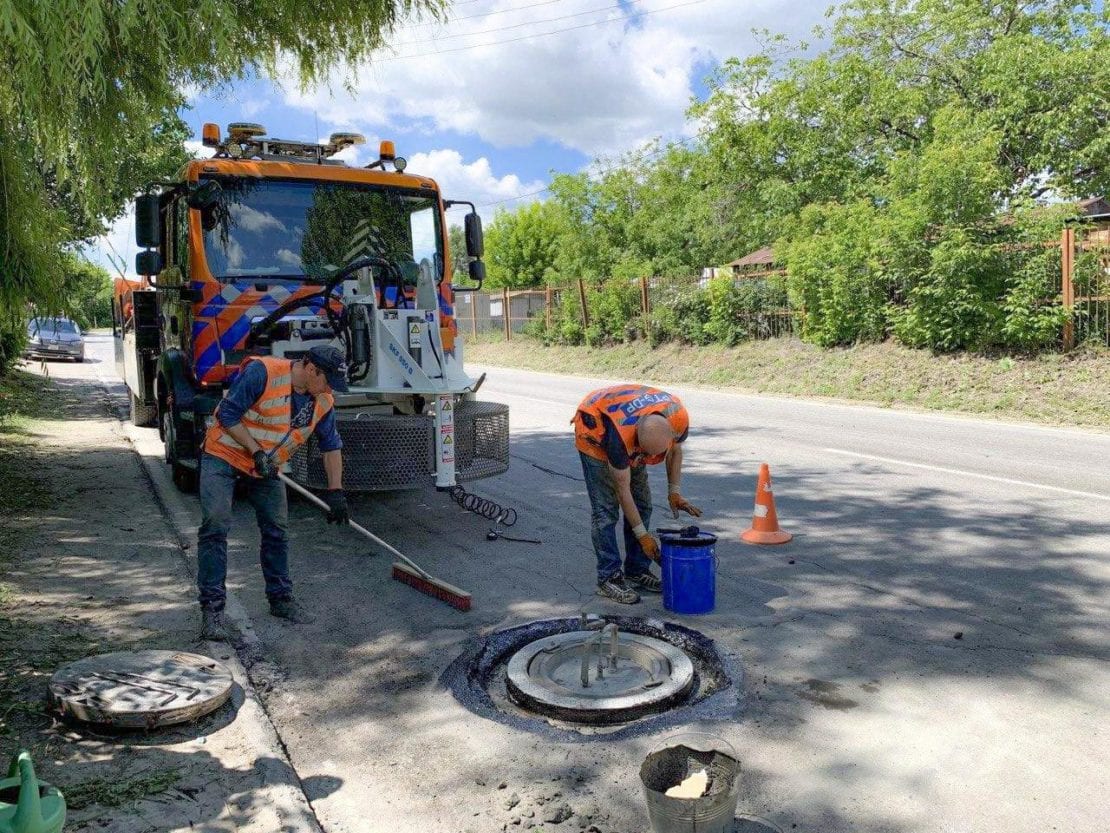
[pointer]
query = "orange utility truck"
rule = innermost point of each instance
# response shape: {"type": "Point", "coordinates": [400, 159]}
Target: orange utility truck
{"type": "Point", "coordinates": [271, 247]}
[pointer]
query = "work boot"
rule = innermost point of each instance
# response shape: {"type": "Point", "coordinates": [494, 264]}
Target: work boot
{"type": "Point", "coordinates": [213, 628]}
{"type": "Point", "coordinates": [645, 582]}
{"type": "Point", "coordinates": [291, 610]}
{"type": "Point", "coordinates": [614, 588]}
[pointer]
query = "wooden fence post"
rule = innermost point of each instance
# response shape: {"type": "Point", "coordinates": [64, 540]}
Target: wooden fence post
{"type": "Point", "coordinates": [474, 296]}
{"type": "Point", "coordinates": [1067, 285]}
{"type": "Point", "coordinates": [644, 302]}
{"type": "Point", "coordinates": [585, 309]}
{"type": "Point", "coordinates": [548, 299]}
{"type": "Point", "coordinates": [505, 313]}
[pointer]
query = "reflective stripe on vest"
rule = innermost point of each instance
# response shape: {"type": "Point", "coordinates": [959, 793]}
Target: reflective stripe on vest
{"type": "Point", "coordinates": [268, 420]}
{"type": "Point", "coordinates": [625, 406]}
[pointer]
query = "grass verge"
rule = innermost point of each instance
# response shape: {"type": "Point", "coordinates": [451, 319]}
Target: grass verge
{"type": "Point", "coordinates": [24, 398]}
{"type": "Point", "coordinates": [115, 793]}
{"type": "Point", "coordinates": [1070, 389]}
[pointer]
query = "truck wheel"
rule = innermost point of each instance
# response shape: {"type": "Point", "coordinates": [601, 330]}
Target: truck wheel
{"type": "Point", "coordinates": [142, 415]}
{"type": "Point", "coordinates": [184, 478]}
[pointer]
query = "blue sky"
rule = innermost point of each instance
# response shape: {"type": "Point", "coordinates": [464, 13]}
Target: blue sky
{"type": "Point", "coordinates": [505, 92]}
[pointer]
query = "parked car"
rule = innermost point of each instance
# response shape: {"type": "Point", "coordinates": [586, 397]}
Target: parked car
{"type": "Point", "coordinates": [54, 338]}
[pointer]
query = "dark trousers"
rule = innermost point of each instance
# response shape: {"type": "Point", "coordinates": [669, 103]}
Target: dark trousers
{"type": "Point", "coordinates": [605, 512]}
{"type": "Point", "coordinates": [217, 489]}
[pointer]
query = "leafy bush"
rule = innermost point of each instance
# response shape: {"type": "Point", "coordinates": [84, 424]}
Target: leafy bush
{"type": "Point", "coordinates": [1032, 317]}
{"type": "Point", "coordinates": [680, 314]}
{"type": "Point", "coordinates": [954, 306]}
{"type": "Point", "coordinates": [615, 311]}
{"type": "Point", "coordinates": [837, 274]}
{"type": "Point", "coordinates": [13, 338]}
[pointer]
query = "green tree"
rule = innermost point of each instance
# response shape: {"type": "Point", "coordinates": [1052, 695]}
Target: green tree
{"type": "Point", "coordinates": [90, 94]}
{"type": "Point", "coordinates": [87, 292]}
{"type": "Point", "coordinates": [522, 247]}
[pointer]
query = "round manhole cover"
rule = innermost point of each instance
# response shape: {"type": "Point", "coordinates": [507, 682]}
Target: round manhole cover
{"type": "Point", "coordinates": [140, 689]}
{"type": "Point", "coordinates": [594, 676]}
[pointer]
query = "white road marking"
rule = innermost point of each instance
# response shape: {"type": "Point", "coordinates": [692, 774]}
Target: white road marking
{"type": "Point", "coordinates": [965, 473]}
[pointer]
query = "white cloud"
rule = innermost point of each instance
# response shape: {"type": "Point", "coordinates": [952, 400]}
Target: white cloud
{"type": "Point", "coordinates": [601, 88]}
{"type": "Point", "coordinates": [253, 220]}
{"type": "Point", "coordinates": [474, 181]}
{"type": "Point", "coordinates": [289, 257]}
{"type": "Point", "coordinates": [198, 150]}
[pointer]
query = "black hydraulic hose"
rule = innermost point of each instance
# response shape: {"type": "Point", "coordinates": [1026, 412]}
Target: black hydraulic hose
{"type": "Point", "coordinates": [264, 326]}
{"type": "Point", "coordinates": [504, 515]}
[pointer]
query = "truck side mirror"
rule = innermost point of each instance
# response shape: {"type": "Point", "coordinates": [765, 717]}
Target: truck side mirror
{"type": "Point", "coordinates": [147, 221]}
{"type": "Point", "coordinates": [148, 263]}
{"type": "Point", "coordinates": [477, 270]}
{"type": "Point", "coordinates": [474, 242]}
{"type": "Point", "coordinates": [205, 195]}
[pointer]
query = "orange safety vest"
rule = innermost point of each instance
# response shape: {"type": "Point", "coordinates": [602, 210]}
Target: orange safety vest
{"type": "Point", "coordinates": [625, 405]}
{"type": "Point", "coordinates": [268, 420]}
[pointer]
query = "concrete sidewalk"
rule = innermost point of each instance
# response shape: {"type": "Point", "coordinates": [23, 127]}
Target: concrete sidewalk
{"type": "Point", "coordinates": [97, 569]}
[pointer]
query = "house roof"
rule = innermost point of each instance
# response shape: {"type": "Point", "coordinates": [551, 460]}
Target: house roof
{"type": "Point", "coordinates": [1094, 205]}
{"type": "Point", "coordinates": [760, 257]}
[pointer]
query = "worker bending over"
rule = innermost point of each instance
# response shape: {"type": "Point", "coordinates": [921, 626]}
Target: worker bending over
{"type": "Point", "coordinates": [271, 409]}
{"type": "Point", "coordinates": [618, 431]}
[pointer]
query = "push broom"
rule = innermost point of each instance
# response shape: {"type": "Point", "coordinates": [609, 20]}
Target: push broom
{"type": "Point", "coordinates": [406, 570]}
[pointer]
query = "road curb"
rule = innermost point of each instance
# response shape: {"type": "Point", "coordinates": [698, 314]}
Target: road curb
{"type": "Point", "coordinates": [289, 800]}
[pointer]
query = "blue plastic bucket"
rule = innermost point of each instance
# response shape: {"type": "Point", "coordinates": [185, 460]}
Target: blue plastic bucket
{"type": "Point", "coordinates": [689, 570]}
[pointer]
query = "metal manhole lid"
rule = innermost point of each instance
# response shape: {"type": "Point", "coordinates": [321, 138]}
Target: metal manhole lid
{"type": "Point", "coordinates": [546, 674]}
{"type": "Point", "coordinates": [140, 689]}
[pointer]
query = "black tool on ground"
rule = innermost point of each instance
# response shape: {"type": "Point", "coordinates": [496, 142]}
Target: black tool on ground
{"type": "Point", "coordinates": [491, 510]}
{"type": "Point", "coordinates": [494, 535]}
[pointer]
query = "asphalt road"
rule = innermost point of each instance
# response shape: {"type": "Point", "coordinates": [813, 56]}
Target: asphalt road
{"type": "Point", "coordinates": [862, 711]}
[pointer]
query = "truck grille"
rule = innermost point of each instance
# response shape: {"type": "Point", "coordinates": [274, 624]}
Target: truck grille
{"type": "Point", "coordinates": [481, 440]}
{"type": "Point", "coordinates": [384, 453]}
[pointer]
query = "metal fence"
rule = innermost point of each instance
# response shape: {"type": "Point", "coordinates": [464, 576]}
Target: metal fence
{"type": "Point", "coordinates": [509, 311]}
{"type": "Point", "coordinates": [1077, 276]}
{"type": "Point", "coordinates": [1085, 284]}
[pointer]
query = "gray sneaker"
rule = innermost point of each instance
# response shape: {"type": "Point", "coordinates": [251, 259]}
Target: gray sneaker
{"type": "Point", "coordinates": [614, 588]}
{"type": "Point", "coordinates": [213, 628]}
{"type": "Point", "coordinates": [291, 610]}
{"type": "Point", "coordinates": [645, 582]}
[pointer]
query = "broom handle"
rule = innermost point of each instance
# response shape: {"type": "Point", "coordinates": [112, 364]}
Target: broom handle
{"type": "Point", "coordinates": [297, 487]}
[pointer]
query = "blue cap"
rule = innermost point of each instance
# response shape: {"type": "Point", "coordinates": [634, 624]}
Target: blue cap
{"type": "Point", "coordinates": [333, 363]}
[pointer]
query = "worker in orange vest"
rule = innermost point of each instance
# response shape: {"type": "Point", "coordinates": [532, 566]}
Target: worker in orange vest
{"type": "Point", "coordinates": [272, 408]}
{"type": "Point", "coordinates": [618, 431]}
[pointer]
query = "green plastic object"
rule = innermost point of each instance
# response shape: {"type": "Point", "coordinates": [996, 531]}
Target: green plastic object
{"type": "Point", "coordinates": [26, 804]}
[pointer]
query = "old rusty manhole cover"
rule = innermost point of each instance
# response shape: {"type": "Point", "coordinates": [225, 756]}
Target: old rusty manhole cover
{"type": "Point", "coordinates": [140, 689]}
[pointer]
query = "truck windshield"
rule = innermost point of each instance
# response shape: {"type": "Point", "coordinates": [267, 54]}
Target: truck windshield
{"type": "Point", "coordinates": [308, 230]}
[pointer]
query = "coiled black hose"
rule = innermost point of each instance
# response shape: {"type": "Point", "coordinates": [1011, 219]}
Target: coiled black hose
{"type": "Point", "coordinates": [504, 515]}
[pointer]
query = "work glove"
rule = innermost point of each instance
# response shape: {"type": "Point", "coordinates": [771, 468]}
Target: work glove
{"type": "Point", "coordinates": [647, 542]}
{"type": "Point", "coordinates": [679, 503]}
{"type": "Point", "coordinates": [264, 465]}
{"type": "Point", "coordinates": [337, 506]}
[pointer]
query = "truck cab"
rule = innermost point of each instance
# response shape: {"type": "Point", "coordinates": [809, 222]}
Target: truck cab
{"type": "Point", "coordinates": [271, 247]}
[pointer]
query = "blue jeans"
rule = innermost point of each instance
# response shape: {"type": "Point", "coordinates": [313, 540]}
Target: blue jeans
{"type": "Point", "coordinates": [605, 511]}
{"type": "Point", "coordinates": [217, 489]}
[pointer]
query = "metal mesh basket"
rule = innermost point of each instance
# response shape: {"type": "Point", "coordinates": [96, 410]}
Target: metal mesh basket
{"type": "Point", "coordinates": [481, 440]}
{"type": "Point", "coordinates": [389, 452]}
{"type": "Point", "coordinates": [379, 453]}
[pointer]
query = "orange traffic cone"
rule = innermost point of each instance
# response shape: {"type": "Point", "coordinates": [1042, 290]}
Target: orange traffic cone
{"type": "Point", "coordinates": [765, 522]}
